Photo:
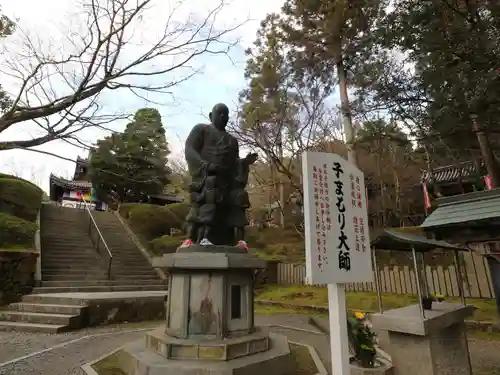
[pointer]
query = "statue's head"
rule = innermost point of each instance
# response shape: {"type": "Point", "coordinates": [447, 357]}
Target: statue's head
{"type": "Point", "coordinates": [219, 116]}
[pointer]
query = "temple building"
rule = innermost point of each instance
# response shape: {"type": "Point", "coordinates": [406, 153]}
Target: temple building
{"type": "Point", "coordinates": [459, 178]}
{"type": "Point", "coordinates": [69, 193]}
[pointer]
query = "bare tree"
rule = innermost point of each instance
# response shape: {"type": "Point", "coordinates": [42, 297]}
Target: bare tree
{"type": "Point", "coordinates": [58, 87]}
{"type": "Point", "coordinates": [178, 165]}
{"type": "Point", "coordinates": [29, 173]}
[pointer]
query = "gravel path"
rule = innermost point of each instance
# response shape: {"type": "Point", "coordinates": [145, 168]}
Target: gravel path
{"type": "Point", "coordinates": [66, 360]}
{"type": "Point", "coordinates": [18, 344]}
{"type": "Point", "coordinates": [485, 356]}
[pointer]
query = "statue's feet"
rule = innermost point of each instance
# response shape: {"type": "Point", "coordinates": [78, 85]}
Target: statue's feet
{"type": "Point", "coordinates": [205, 242]}
{"type": "Point", "coordinates": [242, 244]}
{"type": "Point", "coordinates": [186, 243]}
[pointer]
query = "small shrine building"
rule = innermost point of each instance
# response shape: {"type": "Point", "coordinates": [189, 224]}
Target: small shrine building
{"type": "Point", "coordinates": [69, 193]}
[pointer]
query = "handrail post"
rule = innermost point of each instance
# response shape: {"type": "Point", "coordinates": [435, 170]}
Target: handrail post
{"type": "Point", "coordinates": [99, 239]}
{"type": "Point", "coordinates": [109, 268]}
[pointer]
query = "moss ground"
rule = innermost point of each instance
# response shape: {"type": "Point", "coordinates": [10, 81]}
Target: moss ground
{"type": "Point", "coordinates": [302, 296]}
{"type": "Point", "coordinates": [303, 361]}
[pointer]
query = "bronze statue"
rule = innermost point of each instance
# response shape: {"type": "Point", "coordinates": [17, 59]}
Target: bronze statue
{"type": "Point", "coordinates": [218, 197]}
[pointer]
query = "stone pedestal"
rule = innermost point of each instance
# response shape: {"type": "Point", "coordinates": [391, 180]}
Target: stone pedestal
{"type": "Point", "coordinates": [436, 345]}
{"type": "Point", "coordinates": [209, 320]}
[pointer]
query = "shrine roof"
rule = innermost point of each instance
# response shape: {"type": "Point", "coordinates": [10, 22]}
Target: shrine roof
{"type": "Point", "coordinates": [464, 208]}
{"type": "Point", "coordinates": [453, 173]}
{"type": "Point", "coordinates": [391, 239]}
{"type": "Point", "coordinates": [82, 161]}
{"type": "Point", "coordinates": [62, 182]}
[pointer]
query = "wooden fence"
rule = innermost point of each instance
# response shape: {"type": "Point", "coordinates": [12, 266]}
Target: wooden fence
{"type": "Point", "coordinates": [401, 279]}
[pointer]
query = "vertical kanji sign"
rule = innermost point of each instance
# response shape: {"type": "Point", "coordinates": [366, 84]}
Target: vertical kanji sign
{"type": "Point", "coordinates": [336, 220]}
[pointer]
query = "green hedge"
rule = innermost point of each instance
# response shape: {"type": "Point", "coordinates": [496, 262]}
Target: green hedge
{"type": "Point", "coordinates": [3, 175]}
{"type": "Point", "coordinates": [150, 221]}
{"type": "Point", "coordinates": [165, 245]}
{"type": "Point", "coordinates": [19, 198]}
{"type": "Point", "coordinates": [16, 232]}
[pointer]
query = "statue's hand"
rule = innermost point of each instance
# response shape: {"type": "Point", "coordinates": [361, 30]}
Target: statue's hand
{"type": "Point", "coordinates": [214, 168]}
{"type": "Point", "coordinates": [251, 158]}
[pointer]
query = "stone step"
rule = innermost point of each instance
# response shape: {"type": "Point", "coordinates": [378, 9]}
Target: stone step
{"type": "Point", "coordinates": [66, 222]}
{"type": "Point", "coordinates": [53, 300]}
{"type": "Point", "coordinates": [81, 270]}
{"type": "Point", "coordinates": [83, 239]}
{"type": "Point", "coordinates": [64, 250]}
{"type": "Point", "coordinates": [70, 228]}
{"type": "Point", "coordinates": [87, 253]}
{"type": "Point", "coordinates": [95, 267]}
{"type": "Point", "coordinates": [74, 265]}
{"type": "Point", "coordinates": [79, 253]}
{"type": "Point", "coordinates": [40, 318]}
{"type": "Point", "coordinates": [80, 246]}
{"type": "Point", "coordinates": [89, 289]}
{"type": "Point", "coordinates": [66, 239]}
{"type": "Point", "coordinates": [89, 271]}
{"type": "Point", "coordinates": [77, 276]}
{"type": "Point", "coordinates": [46, 308]}
{"type": "Point", "coordinates": [72, 260]}
{"type": "Point", "coordinates": [68, 257]}
{"type": "Point", "coordinates": [143, 281]}
{"type": "Point", "coordinates": [68, 250]}
{"type": "Point", "coordinates": [31, 327]}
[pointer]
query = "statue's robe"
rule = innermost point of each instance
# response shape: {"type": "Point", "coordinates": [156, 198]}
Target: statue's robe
{"type": "Point", "coordinates": [210, 190]}
{"type": "Point", "coordinates": [240, 201]}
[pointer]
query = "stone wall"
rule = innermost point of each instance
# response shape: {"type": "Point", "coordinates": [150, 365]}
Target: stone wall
{"type": "Point", "coordinates": [119, 310]}
{"type": "Point", "coordinates": [17, 274]}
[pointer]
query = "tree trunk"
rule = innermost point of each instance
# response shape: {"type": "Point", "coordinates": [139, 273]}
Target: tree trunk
{"type": "Point", "coordinates": [487, 153]}
{"type": "Point", "coordinates": [281, 187]}
{"type": "Point", "coordinates": [346, 111]}
{"type": "Point", "coordinates": [491, 167]}
{"type": "Point", "coordinates": [397, 187]}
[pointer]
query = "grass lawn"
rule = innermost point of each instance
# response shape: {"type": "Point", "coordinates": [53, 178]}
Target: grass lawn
{"type": "Point", "coordinates": [304, 295]}
{"type": "Point", "coordinates": [303, 361]}
{"type": "Point", "coordinates": [109, 365]}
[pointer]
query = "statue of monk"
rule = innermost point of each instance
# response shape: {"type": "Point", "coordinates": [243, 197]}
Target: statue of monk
{"type": "Point", "coordinates": [212, 157]}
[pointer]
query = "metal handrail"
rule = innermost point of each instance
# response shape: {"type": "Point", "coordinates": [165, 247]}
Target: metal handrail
{"type": "Point", "coordinates": [100, 237]}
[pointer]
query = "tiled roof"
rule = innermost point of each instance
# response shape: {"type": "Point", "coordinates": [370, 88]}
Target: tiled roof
{"type": "Point", "coordinates": [465, 208]}
{"type": "Point", "coordinates": [59, 181]}
{"type": "Point", "coordinates": [453, 173]}
{"type": "Point", "coordinates": [82, 161]}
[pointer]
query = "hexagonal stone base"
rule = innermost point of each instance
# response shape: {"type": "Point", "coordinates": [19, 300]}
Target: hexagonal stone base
{"type": "Point", "coordinates": [137, 359]}
{"type": "Point", "coordinates": [219, 350]}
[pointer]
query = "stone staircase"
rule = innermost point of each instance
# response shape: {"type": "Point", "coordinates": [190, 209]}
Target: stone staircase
{"type": "Point", "coordinates": [71, 264]}
{"type": "Point", "coordinates": [40, 313]}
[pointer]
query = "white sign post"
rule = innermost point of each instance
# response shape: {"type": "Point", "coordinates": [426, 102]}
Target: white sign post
{"type": "Point", "coordinates": [337, 239]}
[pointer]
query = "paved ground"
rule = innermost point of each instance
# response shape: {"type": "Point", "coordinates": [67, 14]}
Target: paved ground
{"type": "Point", "coordinates": [66, 360]}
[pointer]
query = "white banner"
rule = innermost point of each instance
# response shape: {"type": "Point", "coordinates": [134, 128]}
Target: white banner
{"type": "Point", "coordinates": [336, 220]}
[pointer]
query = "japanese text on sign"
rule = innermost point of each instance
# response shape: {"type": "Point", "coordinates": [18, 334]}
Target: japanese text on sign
{"type": "Point", "coordinates": [344, 256]}
{"type": "Point", "coordinates": [336, 221]}
{"type": "Point", "coordinates": [323, 221]}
